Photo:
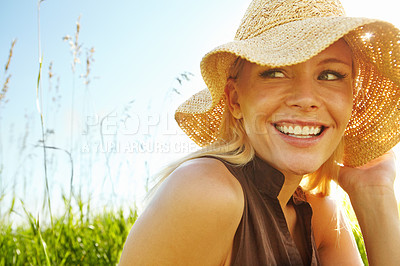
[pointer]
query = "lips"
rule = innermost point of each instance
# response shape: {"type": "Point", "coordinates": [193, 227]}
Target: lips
{"type": "Point", "coordinates": [300, 131]}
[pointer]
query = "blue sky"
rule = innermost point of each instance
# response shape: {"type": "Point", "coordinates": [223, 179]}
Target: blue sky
{"type": "Point", "coordinates": [140, 49]}
{"type": "Point", "coordinates": [140, 45]}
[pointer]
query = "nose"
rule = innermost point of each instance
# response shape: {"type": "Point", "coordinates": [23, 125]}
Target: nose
{"type": "Point", "coordinates": [304, 95]}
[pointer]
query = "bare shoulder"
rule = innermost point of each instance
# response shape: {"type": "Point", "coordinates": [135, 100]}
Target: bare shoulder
{"type": "Point", "coordinates": [211, 174]}
{"type": "Point", "coordinates": [205, 182]}
{"type": "Point", "coordinates": [323, 206]}
{"type": "Point", "coordinates": [198, 208]}
{"type": "Point", "coordinates": [332, 233]}
{"type": "Point", "coordinates": [324, 216]}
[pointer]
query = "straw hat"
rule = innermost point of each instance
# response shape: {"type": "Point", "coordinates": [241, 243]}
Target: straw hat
{"type": "Point", "coordinates": [287, 32]}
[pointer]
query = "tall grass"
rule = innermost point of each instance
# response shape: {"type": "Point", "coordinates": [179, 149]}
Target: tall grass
{"type": "Point", "coordinates": [3, 99]}
{"type": "Point", "coordinates": [39, 106]}
{"type": "Point", "coordinates": [77, 234]}
{"type": "Point", "coordinates": [81, 237]}
{"type": "Point", "coordinates": [7, 76]}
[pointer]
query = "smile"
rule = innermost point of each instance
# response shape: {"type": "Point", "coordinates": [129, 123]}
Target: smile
{"type": "Point", "coordinates": [298, 131]}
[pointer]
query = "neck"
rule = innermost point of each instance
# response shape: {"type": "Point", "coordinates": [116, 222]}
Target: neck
{"type": "Point", "coordinates": [290, 185]}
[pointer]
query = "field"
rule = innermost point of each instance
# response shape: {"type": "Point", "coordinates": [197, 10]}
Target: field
{"type": "Point", "coordinates": [71, 228]}
{"type": "Point", "coordinates": [76, 238]}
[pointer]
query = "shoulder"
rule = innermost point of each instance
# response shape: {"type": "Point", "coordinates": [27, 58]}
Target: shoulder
{"type": "Point", "coordinates": [332, 232]}
{"type": "Point", "coordinates": [210, 174]}
{"type": "Point", "coordinates": [205, 181]}
{"type": "Point", "coordinates": [324, 216]}
{"type": "Point", "coordinates": [322, 205]}
{"type": "Point", "coordinates": [198, 208]}
{"type": "Point", "coordinates": [207, 184]}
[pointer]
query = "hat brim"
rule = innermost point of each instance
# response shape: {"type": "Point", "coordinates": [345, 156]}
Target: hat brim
{"type": "Point", "coordinates": [374, 125]}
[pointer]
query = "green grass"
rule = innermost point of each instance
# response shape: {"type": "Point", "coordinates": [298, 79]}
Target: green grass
{"type": "Point", "coordinates": [79, 238]}
{"type": "Point", "coordinates": [360, 243]}
{"type": "Point", "coordinates": [356, 230]}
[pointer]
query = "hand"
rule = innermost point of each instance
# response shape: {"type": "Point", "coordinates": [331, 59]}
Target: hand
{"type": "Point", "coordinates": [378, 175]}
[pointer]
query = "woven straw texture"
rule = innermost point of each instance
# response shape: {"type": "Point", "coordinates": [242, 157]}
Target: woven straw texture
{"type": "Point", "coordinates": [287, 32]}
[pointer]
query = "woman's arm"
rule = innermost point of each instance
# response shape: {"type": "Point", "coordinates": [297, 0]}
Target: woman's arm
{"type": "Point", "coordinates": [371, 191]}
{"type": "Point", "coordinates": [191, 221]}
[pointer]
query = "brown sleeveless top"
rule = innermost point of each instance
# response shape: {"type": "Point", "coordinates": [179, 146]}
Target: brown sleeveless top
{"type": "Point", "coordinates": [263, 237]}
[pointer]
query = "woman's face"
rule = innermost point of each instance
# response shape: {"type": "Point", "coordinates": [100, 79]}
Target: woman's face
{"type": "Point", "coordinates": [295, 116]}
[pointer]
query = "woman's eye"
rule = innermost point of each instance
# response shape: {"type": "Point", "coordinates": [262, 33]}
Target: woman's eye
{"type": "Point", "coordinates": [273, 73]}
{"type": "Point", "coordinates": [331, 75]}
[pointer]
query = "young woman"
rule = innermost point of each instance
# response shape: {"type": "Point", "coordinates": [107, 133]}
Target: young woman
{"type": "Point", "coordinates": [302, 96]}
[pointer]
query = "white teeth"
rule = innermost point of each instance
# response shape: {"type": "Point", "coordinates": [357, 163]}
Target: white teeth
{"type": "Point", "coordinates": [286, 130]}
{"type": "Point", "coordinates": [299, 131]}
{"type": "Point", "coordinates": [306, 130]}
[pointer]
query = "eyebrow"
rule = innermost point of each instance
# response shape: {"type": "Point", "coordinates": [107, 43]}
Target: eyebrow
{"type": "Point", "coordinates": [333, 60]}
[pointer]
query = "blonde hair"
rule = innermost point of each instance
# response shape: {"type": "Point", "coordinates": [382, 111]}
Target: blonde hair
{"type": "Point", "coordinates": [233, 146]}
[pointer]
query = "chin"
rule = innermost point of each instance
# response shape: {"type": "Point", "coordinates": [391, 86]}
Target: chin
{"type": "Point", "coordinates": [303, 167]}
{"type": "Point", "coordinates": [302, 172]}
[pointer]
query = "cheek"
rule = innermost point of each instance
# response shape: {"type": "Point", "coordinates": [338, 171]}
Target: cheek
{"type": "Point", "coordinates": [254, 122]}
{"type": "Point", "coordinates": [349, 102]}
{"type": "Point", "coordinates": [343, 106]}
{"type": "Point", "coordinates": [256, 113]}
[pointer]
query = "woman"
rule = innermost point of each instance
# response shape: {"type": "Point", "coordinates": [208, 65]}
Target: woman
{"type": "Point", "coordinates": [302, 96]}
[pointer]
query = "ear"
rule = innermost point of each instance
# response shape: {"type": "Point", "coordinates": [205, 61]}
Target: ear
{"type": "Point", "coordinates": [232, 98]}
